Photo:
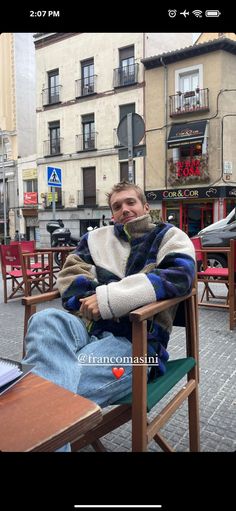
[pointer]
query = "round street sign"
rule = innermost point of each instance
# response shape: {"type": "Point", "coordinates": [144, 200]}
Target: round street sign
{"type": "Point", "coordinates": [138, 128]}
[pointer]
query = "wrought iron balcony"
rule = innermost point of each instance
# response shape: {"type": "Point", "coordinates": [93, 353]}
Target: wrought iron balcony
{"type": "Point", "coordinates": [86, 143]}
{"type": "Point", "coordinates": [127, 75]}
{"type": "Point", "coordinates": [86, 86]}
{"type": "Point", "coordinates": [52, 95]}
{"type": "Point", "coordinates": [52, 147]}
{"type": "Point", "coordinates": [189, 102]}
{"type": "Point", "coordinates": [48, 197]}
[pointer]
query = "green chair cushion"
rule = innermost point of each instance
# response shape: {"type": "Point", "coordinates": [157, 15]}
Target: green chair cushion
{"type": "Point", "coordinates": [175, 371]}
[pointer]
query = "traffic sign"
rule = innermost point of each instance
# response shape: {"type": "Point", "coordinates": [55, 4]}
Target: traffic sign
{"type": "Point", "coordinates": [54, 176]}
{"type": "Point", "coordinates": [138, 129]}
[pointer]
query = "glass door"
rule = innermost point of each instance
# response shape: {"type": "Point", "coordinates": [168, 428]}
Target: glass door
{"type": "Point", "coordinates": [173, 216]}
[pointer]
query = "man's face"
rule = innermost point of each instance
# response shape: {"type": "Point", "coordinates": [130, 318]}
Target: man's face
{"type": "Point", "coordinates": [127, 206]}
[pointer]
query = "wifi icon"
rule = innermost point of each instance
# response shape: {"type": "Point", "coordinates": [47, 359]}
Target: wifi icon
{"type": "Point", "coordinates": [197, 13]}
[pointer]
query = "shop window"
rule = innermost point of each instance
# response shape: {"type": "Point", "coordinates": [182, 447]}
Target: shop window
{"type": "Point", "coordinates": [190, 150]}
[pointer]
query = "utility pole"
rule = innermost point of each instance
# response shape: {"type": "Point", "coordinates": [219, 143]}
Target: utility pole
{"type": "Point", "coordinates": [4, 190]}
{"type": "Point", "coordinates": [130, 148]}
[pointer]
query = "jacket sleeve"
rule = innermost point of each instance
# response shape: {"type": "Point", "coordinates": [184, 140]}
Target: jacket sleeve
{"type": "Point", "coordinates": [77, 278]}
{"type": "Point", "coordinates": [171, 275]}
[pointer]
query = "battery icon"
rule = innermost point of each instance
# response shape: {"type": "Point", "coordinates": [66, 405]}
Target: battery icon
{"type": "Point", "coordinates": [212, 14]}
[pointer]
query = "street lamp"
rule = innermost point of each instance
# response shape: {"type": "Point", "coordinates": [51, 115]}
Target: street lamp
{"type": "Point", "coordinates": [4, 188]}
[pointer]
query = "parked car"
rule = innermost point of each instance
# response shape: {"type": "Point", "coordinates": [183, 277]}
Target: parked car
{"type": "Point", "coordinates": [217, 237]}
{"type": "Point", "coordinates": [231, 217]}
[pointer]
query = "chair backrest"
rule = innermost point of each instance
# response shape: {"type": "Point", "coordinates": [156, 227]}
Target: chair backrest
{"type": "Point", "coordinates": [10, 256]}
{"type": "Point", "coordinates": [198, 246]}
{"type": "Point", "coordinates": [28, 246]}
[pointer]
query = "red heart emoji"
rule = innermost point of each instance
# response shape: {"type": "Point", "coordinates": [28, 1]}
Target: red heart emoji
{"type": "Point", "coordinates": [118, 371]}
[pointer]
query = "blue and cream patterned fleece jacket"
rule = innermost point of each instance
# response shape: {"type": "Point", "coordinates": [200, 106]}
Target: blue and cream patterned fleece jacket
{"type": "Point", "coordinates": [128, 266]}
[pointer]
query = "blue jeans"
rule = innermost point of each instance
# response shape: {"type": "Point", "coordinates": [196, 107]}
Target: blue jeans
{"type": "Point", "coordinates": [54, 341]}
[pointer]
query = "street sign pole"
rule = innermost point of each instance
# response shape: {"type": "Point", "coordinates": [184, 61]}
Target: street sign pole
{"type": "Point", "coordinates": [53, 204]}
{"type": "Point", "coordinates": [130, 131]}
{"type": "Point", "coordinates": [130, 148]}
{"type": "Point", "coordinates": [4, 191]}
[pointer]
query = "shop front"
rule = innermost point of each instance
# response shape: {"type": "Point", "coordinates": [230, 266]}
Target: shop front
{"type": "Point", "coordinates": [192, 209]}
{"type": "Point", "coordinates": [31, 223]}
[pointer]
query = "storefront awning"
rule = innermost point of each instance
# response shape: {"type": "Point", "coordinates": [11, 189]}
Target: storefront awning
{"type": "Point", "coordinates": [186, 133]}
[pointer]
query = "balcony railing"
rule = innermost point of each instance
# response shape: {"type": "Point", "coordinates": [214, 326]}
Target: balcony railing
{"type": "Point", "coordinates": [188, 102]}
{"type": "Point", "coordinates": [116, 141]}
{"type": "Point", "coordinates": [52, 147]}
{"type": "Point", "coordinates": [86, 86]}
{"type": "Point", "coordinates": [127, 75]}
{"type": "Point", "coordinates": [83, 200]}
{"type": "Point", "coordinates": [188, 169]}
{"type": "Point", "coordinates": [85, 143]}
{"type": "Point", "coordinates": [52, 95]}
{"type": "Point", "coordinates": [59, 199]}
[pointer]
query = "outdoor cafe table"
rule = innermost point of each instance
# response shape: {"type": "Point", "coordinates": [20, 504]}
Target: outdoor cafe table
{"type": "Point", "coordinates": [37, 415]}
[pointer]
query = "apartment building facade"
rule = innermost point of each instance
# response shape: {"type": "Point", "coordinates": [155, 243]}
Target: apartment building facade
{"type": "Point", "coordinates": [17, 125]}
{"type": "Point", "coordinates": [190, 99]}
{"type": "Point", "coordinates": [86, 83]}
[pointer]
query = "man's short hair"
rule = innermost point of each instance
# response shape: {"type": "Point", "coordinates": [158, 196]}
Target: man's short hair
{"type": "Point", "coordinates": [125, 185]}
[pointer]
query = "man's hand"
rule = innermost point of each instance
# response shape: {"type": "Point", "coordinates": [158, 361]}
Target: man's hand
{"type": "Point", "coordinates": [89, 308]}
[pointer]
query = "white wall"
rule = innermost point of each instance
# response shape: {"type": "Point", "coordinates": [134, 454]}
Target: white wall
{"type": "Point", "coordinates": [157, 43]}
{"type": "Point", "coordinates": [25, 93]}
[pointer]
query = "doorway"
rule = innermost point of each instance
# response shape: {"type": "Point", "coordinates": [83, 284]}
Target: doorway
{"type": "Point", "coordinates": [174, 214]}
{"type": "Point", "coordinates": [85, 224]}
{"type": "Point", "coordinates": [196, 217]}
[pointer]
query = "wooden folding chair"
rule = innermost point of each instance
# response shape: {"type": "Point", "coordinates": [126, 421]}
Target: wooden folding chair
{"type": "Point", "coordinates": [145, 396]}
{"type": "Point", "coordinates": [212, 276]}
{"type": "Point", "coordinates": [17, 267]}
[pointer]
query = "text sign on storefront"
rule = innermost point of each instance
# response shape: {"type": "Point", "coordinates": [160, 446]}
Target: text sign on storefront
{"type": "Point", "coordinates": [188, 168]}
{"type": "Point", "coordinates": [211, 192]}
{"type": "Point", "coordinates": [30, 198]}
{"type": "Point", "coordinates": [228, 167]}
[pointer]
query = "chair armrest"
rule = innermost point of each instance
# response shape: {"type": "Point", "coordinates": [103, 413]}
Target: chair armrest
{"type": "Point", "coordinates": [149, 310]}
{"type": "Point", "coordinates": [30, 303]}
{"type": "Point", "coordinates": [44, 297]}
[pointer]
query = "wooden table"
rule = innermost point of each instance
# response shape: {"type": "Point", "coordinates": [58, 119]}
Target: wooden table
{"type": "Point", "coordinates": [37, 415]}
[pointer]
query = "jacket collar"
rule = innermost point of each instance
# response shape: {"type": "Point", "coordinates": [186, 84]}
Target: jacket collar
{"type": "Point", "coordinates": [135, 228]}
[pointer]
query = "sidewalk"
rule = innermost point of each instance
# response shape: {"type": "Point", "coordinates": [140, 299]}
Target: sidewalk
{"type": "Point", "coordinates": [217, 379]}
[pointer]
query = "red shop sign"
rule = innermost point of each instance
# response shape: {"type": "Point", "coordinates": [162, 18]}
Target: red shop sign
{"type": "Point", "coordinates": [30, 198]}
{"type": "Point", "coordinates": [188, 168]}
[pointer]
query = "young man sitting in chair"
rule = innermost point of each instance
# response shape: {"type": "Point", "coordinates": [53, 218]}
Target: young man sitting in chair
{"type": "Point", "coordinates": [115, 269]}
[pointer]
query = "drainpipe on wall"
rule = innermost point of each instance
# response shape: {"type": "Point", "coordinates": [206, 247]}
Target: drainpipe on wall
{"type": "Point", "coordinates": [166, 112]}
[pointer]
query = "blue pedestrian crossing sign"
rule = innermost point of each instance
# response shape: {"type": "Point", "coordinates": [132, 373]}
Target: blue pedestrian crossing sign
{"type": "Point", "coordinates": [54, 176]}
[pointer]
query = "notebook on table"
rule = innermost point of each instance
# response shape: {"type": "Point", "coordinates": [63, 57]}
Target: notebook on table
{"type": "Point", "coordinates": [11, 372]}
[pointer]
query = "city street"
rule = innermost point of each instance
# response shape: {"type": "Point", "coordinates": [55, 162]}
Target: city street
{"type": "Point", "coordinates": [217, 379]}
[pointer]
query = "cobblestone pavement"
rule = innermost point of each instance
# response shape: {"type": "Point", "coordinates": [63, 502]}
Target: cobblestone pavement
{"type": "Point", "coordinates": [217, 379]}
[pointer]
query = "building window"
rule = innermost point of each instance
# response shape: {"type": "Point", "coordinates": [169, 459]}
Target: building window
{"type": "Point", "coordinates": [127, 66]}
{"type": "Point", "coordinates": [58, 195]}
{"type": "Point", "coordinates": [88, 129]}
{"type": "Point", "coordinates": [30, 185]}
{"type": "Point", "coordinates": [126, 109]}
{"type": "Point", "coordinates": [87, 74]}
{"type": "Point", "coordinates": [190, 150]}
{"type": "Point", "coordinates": [53, 86]}
{"type": "Point", "coordinates": [124, 170]}
{"type": "Point", "coordinates": [89, 186]}
{"type": "Point", "coordinates": [54, 137]}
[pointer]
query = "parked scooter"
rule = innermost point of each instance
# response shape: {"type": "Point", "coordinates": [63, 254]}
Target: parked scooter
{"type": "Point", "coordinates": [60, 237]}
